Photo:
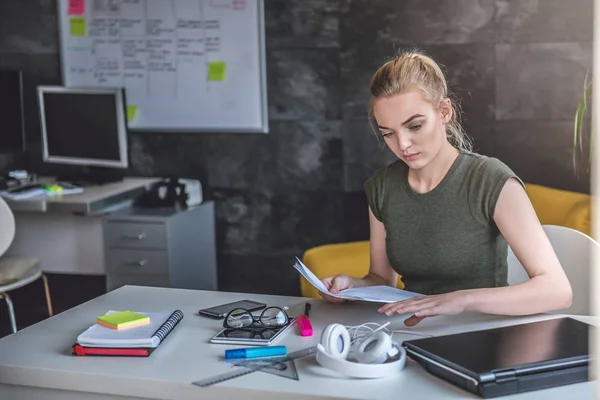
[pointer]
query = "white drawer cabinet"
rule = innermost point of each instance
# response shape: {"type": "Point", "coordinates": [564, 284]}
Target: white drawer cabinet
{"type": "Point", "coordinates": [129, 261]}
{"type": "Point", "coordinates": [136, 235]}
{"type": "Point", "coordinates": [161, 247]}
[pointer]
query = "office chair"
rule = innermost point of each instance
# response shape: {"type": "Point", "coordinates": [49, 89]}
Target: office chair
{"type": "Point", "coordinates": [574, 251]}
{"type": "Point", "coordinates": [16, 272]}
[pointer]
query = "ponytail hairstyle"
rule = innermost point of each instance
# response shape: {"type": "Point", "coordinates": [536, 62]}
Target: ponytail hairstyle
{"type": "Point", "coordinates": [413, 69]}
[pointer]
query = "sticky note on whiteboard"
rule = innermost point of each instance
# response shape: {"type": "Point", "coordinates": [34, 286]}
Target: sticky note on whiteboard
{"type": "Point", "coordinates": [76, 7]}
{"type": "Point", "coordinates": [78, 26]}
{"type": "Point", "coordinates": [131, 112]}
{"type": "Point", "coordinates": [217, 70]}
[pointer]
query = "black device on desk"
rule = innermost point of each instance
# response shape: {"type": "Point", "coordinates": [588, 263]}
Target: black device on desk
{"type": "Point", "coordinates": [6, 183]}
{"type": "Point", "coordinates": [252, 337]}
{"type": "Point", "coordinates": [167, 193]}
{"type": "Point", "coordinates": [25, 188]}
{"type": "Point", "coordinates": [222, 310]}
{"type": "Point", "coordinates": [86, 130]}
{"type": "Point", "coordinates": [507, 360]}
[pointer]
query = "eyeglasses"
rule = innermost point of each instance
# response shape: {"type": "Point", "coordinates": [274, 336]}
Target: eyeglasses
{"type": "Point", "coordinates": [250, 333]}
{"type": "Point", "coordinates": [269, 317]}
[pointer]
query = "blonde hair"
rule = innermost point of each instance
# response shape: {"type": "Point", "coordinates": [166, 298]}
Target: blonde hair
{"type": "Point", "coordinates": [413, 69]}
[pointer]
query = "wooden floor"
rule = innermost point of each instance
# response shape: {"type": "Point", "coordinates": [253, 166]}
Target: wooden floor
{"type": "Point", "coordinates": [67, 291]}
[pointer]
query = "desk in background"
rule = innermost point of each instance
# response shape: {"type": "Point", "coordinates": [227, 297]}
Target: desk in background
{"type": "Point", "coordinates": [36, 362]}
{"type": "Point", "coordinates": [94, 200]}
{"type": "Point", "coordinates": [67, 234]}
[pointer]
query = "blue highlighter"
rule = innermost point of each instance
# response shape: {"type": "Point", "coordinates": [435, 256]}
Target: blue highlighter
{"type": "Point", "coordinates": [255, 352]}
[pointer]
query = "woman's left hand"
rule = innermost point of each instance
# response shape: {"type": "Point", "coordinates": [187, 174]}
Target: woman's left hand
{"type": "Point", "coordinates": [428, 306]}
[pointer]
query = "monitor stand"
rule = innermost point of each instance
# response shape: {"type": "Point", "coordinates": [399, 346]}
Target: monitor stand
{"type": "Point", "coordinates": [92, 176]}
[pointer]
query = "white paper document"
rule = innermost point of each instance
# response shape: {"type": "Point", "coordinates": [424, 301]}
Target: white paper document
{"type": "Point", "coordinates": [376, 294]}
{"type": "Point", "coordinates": [39, 192]}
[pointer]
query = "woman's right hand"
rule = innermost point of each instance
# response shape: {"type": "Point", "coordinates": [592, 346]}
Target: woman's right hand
{"type": "Point", "coordinates": [335, 284]}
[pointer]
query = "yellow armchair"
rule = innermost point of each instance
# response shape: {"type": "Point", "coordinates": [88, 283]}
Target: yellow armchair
{"type": "Point", "coordinates": [351, 258]}
{"type": "Point", "coordinates": [552, 206]}
{"type": "Point", "coordinates": [561, 207]}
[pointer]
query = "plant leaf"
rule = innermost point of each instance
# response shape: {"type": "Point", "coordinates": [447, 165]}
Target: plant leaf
{"type": "Point", "coordinates": [590, 150]}
{"type": "Point", "coordinates": [582, 116]}
{"type": "Point", "coordinates": [579, 123]}
{"type": "Point", "coordinates": [586, 88]}
{"type": "Point", "coordinates": [577, 133]}
{"type": "Point", "coordinates": [587, 93]}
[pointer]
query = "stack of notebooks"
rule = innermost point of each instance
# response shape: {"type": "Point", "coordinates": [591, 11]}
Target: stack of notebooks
{"type": "Point", "coordinates": [140, 341]}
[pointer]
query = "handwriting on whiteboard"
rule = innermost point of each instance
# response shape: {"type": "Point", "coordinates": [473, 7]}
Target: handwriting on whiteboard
{"type": "Point", "coordinates": [142, 45]}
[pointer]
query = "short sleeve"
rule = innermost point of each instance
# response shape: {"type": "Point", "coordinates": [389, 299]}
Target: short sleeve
{"type": "Point", "coordinates": [374, 188]}
{"type": "Point", "coordinates": [487, 179]}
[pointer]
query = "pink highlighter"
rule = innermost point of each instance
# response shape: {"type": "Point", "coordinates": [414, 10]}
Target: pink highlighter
{"type": "Point", "coordinates": [304, 323]}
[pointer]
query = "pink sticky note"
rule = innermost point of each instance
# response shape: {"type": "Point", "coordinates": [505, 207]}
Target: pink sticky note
{"type": "Point", "coordinates": [76, 7]}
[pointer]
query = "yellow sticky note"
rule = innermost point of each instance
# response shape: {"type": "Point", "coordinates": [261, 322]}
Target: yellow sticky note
{"type": "Point", "coordinates": [123, 320]}
{"type": "Point", "coordinates": [78, 27]}
{"type": "Point", "coordinates": [216, 70]}
{"type": "Point", "coordinates": [131, 113]}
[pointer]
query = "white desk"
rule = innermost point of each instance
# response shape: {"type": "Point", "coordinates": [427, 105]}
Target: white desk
{"type": "Point", "coordinates": [36, 362]}
{"type": "Point", "coordinates": [72, 224]}
{"type": "Point", "coordinates": [96, 233]}
{"type": "Point", "coordinates": [93, 200]}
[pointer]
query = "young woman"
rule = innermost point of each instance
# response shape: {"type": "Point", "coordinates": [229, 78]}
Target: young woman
{"type": "Point", "coordinates": [443, 216]}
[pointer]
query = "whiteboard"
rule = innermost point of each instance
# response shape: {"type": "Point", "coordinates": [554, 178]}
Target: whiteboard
{"type": "Point", "coordinates": [186, 65]}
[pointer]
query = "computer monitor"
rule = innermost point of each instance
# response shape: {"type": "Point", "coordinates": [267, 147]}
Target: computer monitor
{"type": "Point", "coordinates": [12, 118]}
{"type": "Point", "coordinates": [84, 127]}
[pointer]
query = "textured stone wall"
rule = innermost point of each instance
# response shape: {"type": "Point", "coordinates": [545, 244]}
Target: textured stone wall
{"type": "Point", "coordinates": [516, 66]}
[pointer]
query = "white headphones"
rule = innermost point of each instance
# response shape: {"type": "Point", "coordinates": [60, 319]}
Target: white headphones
{"type": "Point", "coordinates": [364, 355]}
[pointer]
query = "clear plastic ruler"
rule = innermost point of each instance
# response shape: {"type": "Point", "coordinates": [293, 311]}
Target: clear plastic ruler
{"type": "Point", "coordinates": [253, 366]}
{"type": "Point", "coordinates": [279, 366]}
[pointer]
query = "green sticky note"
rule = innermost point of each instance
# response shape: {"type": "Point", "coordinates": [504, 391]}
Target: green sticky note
{"type": "Point", "coordinates": [78, 27]}
{"type": "Point", "coordinates": [216, 70]}
{"type": "Point", "coordinates": [131, 113]}
{"type": "Point", "coordinates": [123, 319]}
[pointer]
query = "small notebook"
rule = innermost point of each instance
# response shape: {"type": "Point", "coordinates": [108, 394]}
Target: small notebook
{"type": "Point", "coordinates": [146, 336]}
{"type": "Point", "coordinates": [79, 350]}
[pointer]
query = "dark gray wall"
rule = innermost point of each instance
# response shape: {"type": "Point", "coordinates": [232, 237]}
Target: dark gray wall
{"type": "Point", "coordinates": [516, 65]}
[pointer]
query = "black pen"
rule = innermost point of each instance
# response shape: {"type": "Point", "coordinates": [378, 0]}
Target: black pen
{"type": "Point", "coordinates": [306, 309]}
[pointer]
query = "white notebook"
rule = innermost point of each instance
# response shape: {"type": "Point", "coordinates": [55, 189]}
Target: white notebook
{"type": "Point", "coordinates": [376, 294]}
{"type": "Point", "coordinates": [145, 336]}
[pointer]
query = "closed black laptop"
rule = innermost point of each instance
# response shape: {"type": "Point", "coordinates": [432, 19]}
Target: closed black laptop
{"type": "Point", "coordinates": [507, 360]}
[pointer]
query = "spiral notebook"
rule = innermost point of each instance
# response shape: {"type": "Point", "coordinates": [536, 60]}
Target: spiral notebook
{"type": "Point", "coordinates": [147, 336]}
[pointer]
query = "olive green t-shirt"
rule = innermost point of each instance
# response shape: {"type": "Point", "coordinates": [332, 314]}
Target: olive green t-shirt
{"type": "Point", "coordinates": [446, 239]}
